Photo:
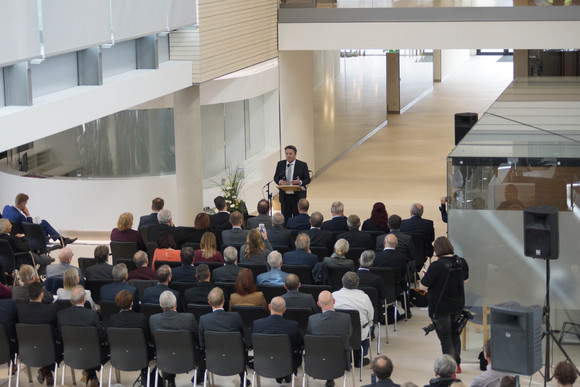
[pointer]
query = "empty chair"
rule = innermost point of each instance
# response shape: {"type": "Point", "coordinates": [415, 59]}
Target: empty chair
{"type": "Point", "coordinates": [225, 355]}
{"type": "Point", "coordinates": [82, 349]}
{"type": "Point", "coordinates": [37, 241]}
{"type": "Point", "coordinates": [150, 309]}
{"type": "Point", "coordinates": [52, 284]}
{"type": "Point", "coordinates": [95, 287]}
{"type": "Point", "coordinates": [84, 263]}
{"type": "Point", "coordinates": [271, 291]}
{"type": "Point", "coordinates": [355, 337]}
{"type": "Point", "coordinates": [160, 263]}
{"type": "Point", "coordinates": [181, 287]}
{"type": "Point", "coordinates": [175, 353]}
{"type": "Point", "coordinates": [123, 250]}
{"type": "Point", "coordinates": [374, 297]}
{"type": "Point", "coordinates": [128, 350]}
{"type": "Point", "coordinates": [388, 275]}
{"type": "Point", "coordinates": [198, 310]}
{"type": "Point", "coordinates": [315, 290]}
{"type": "Point", "coordinates": [300, 315]}
{"type": "Point", "coordinates": [256, 268]}
{"type": "Point", "coordinates": [280, 249]}
{"type": "Point", "coordinates": [211, 265]}
{"type": "Point", "coordinates": [304, 272]}
{"type": "Point", "coordinates": [319, 251]}
{"type": "Point", "coordinates": [128, 262]}
{"type": "Point", "coordinates": [324, 358]}
{"type": "Point", "coordinates": [336, 273]}
{"type": "Point", "coordinates": [272, 356]}
{"type": "Point", "coordinates": [354, 254]}
{"type": "Point", "coordinates": [35, 347]}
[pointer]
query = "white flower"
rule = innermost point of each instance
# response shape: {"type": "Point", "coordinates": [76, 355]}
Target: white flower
{"type": "Point", "coordinates": [232, 205]}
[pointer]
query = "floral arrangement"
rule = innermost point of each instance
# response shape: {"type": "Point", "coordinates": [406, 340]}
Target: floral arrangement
{"type": "Point", "coordinates": [231, 187]}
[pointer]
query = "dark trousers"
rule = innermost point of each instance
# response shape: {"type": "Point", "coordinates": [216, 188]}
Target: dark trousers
{"type": "Point", "coordinates": [49, 231]}
{"type": "Point", "coordinates": [289, 205]}
{"type": "Point", "coordinates": [446, 328]}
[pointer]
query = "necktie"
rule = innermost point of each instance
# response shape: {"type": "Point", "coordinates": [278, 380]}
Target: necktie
{"type": "Point", "coordinates": [288, 173]}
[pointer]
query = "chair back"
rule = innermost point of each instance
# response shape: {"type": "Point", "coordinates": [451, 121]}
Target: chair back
{"type": "Point", "coordinates": [7, 258]}
{"type": "Point", "coordinates": [224, 353]}
{"type": "Point", "coordinates": [145, 233]}
{"type": "Point", "coordinates": [175, 351]}
{"type": "Point", "coordinates": [272, 355]}
{"type": "Point", "coordinates": [35, 344]}
{"type": "Point", "coordinates": [419, 257]}
{"type": "Point", "coordinates": [250, 314]}
{"type": "Point", "coordinates": [128, 348]}
{"type": "Point", "coordinates": [336, 273]}
{"type": "Point", "coordinates": [108, 308]}
{"type": "Point", "coordinates": [299, 315]}
{"type": "Point", "coordinates": [324, 357]}
{"type": "Point", "coordinates": [82, 347]}
{"type": "Point", "coordinates": [228, 288]}
{"type": "Point", "coordinates": [211, 265]}
{"type": "Point", "coordinates": [150, 309]}
{"type": "Point", "coordinates": [193, 245]}
{"type": "Point", "coordinates": [355, 339]}
{"type": "Point", "coordinates": [95, 286]}
{"type": "Point", "coordinates": [5, 355]}
{"type": "Point", "coordinates": [141, 285]}
{"type": "Point", "coordinates": [123, 250]}
{"type": "Point", "coordinates": [256, 268]}
{"type": "Point", "coordinates": [181, 287]}
{"type": "Point", "coordinates": [128, 262]}
{"type": "Point", "coordinates": [304, 272]}
{"type": "Point", "coordinates": [320, 252]}
{"type": "Point", "coordinates": [52, 284]}
{"type": "Point", "coordinates": [151, 246]}
{"type": "Point", "coordinates": [36, 238]}
{"type": "Point", "coordinates": [84, 263]}
{"type": "Point", "coordinates": [373, 294]}
{"type": "Point", "coordinates": [159, 263]}
{"type": "Point", "coordinates": [271, 291]}
{"type": "Point", "coordinates": [354, 254]}
{"type": "Point", "coordinates": [63, 304]}
{"type": "Point", "coordinates": [388, 276]}
{"type": "Point", "coordinates": [281, 249]}
{"type": "Point", "coordinates": [198, 310]}
{"type": "Point", "coordinates": [185, 231]}
{"type": "Point", "coordinates": [314, 290]}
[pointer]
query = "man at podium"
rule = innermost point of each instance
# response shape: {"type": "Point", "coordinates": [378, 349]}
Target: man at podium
{"type": "Point", "coordinates": [291, 172]}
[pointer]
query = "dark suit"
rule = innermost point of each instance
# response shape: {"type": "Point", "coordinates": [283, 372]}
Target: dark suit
{"type": "Point", "coordinates": [198, 294]}
{"type": "Point", "coordinates": [275, 324]}
{"type": "Point", "coordinates": [320, 237]}
{"type": "Point", "coordinates": [281, 237]}
{"type": "Point", "coordinates": [331, 323]}
{"type": "Point", "coordinates": [8, 321]}
{"type": "Point", "coordinates": [368, 279]}
{"type": "Point", "coordinates": [99, 271]}
{"type": "Point", "coordinates": [183, 273]}
{"type": "Point", "coordinates": [148, 220]}
{"type": "Point", "coordinates": [255, 221]}
{"type": "Point", "coordinates": [405, 244]}
{"type": "Point", "coordinates": [337, 223]}
{"type": "Point", "coordinates": [80, 316]}
{"type": "Point", "coordinates": [295, 299]}
{"type": "Point", "coordinates": [158, 229]}
{"type": "Point", "coordinates": [392, 258]}
{"type": "Point", "coordinates": [423, 226]}
{"type": "Point", "coordinates": [220, 221]}
{"type": "Point", "coordinates": [219, 321]}
{"type": "Point", "coordinates": [299, 222]}
{"type": "Point", "coordinates": [289, 203]}
{"type": "Point", "coordinates": [357, 238]}
{"type": "Point", "coordinates": [234, 237]}
{"type": "Point", "coordinates": [109, 291]}
{"type": "Point", "coordinates": [228, 273]}
{"type": "Point", "coordinates": [20, 293]}
{"type": "Point", "coordinates": [383, 383]}
{"type": "Point", "coordinates": [151, 294]}
{"type": "Point", "coordinates": [299, 257]}
{"type": "Point", "coordinates": [130, 319]}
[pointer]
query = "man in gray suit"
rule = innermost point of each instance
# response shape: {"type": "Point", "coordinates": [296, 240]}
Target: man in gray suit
{"type": "Point", "coordinates": [263, 217]}
{"type": "Point", "coordinates": [65, 256]}
{"type": "Point", "coordinates": [278, 235]}
{"type": "Point", "coordinates": [173, 321]}
{"type": "Point", "coordinates": [236, 236]}
{"type": "Point", "coordinates": [331, 323]}
{"type": "Point", "coordinates": [229, 271]}
{"type": "Point", "coordinates": [295, 299]}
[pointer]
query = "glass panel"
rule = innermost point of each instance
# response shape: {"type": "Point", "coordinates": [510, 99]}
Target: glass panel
{"type": "Point", "coordinates": [255, 126]}
{"type": "Point", "coordinates": [234, 115]}
{"type": "Point", "coordinates": [212, 136]}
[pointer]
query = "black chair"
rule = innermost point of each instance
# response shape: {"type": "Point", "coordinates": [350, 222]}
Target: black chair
{"type": "Point", "coordinates": [281, 249]}
{"type": "Point", "coordinates": [11, 261]}
{"type": "Point", "coordinates": [355, 337]}
{"type": "Point", "coordinates": [82, 349]}
{"type": "Point", "coordinates": [198, 310]}
{"type": "Point", "coordinates": [35, 348]}
{"type": "Point", "coordinates": [273, 356]}
{"type": "Point", "coordinates": [141, 285]}
{"type": "Point", "coordinates": [108, 308]}
{"type": "Point", "coordinates": [5, 355]}
{"type": "Point", "coordinates": [52, 284]}
{"type": "Point", "coordinates": [150, 309]}
{"type": "Point", "coordinates": [388, 275]}
{"type": "Point", "coordinates": [193, 245]}
{"type": "Point", "coordinates": [128, 262]}
{"type": "Point", "coordinates": [336, 273]}
{"type": "Point", "coordinates": [250, 314]}
{"type": "Point", "coordinates": [63, 304]}
{"type": "Point", "coordinates": [175, 353]}
{"type": "Point", "coordinates": [304, 272]}
{"type": "Point", "coordinates": [419, 258]}
{"type": "Point", "coordinates": [145, 233]}
{"type": "Point", "coordinates": [300, 315]}
{"type": "Point", "coordinates": [84, 263]}
{"type": "Point", "coordinates": [95, 286]}
{"type": "Point", "coordinates": [320, 251]}
{"type": "Point", "coordinates": [185, 231]}
{"type": "Point", "coordinates": [373, 294]}
{"type": "Point", "coordinates": [256, 268]}
{"type": "Point", "coordinates": [225, 355]}
{"type": "Point", "coordinates": [37, 241]}
{"type": "Point", "coordinates": [314, 290]}
{"type": "Point", "coordinates": [181, 287]}
{"type": "Point", "coordinates": [401, 287]}
{"type": "Point", "coordinates": [228, 288]}
{"type": "Point", "coordinates": [159, 263]}
{"type": "Point", "coordinates": [324, 358]}
{"type": "Point", "coordinates": [271, 291]}
{"type": "Point", "coordinates": [151, 246]}
{"type": "Point", "coordinates": [123, 250]}
{"type": "Point", "coordinates": [354, 254]}
{"type": "Point", "coordinates": [211, 265]}
{"type": "Point", "coordinates": [128, 351]}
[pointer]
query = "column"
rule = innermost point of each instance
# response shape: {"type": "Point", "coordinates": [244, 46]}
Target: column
{"type": "Point", "coordinates": [393, 83]}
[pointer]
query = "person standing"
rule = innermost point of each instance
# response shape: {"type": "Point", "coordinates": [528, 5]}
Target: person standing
{"type": "Point", "coordinates": [294, 172]}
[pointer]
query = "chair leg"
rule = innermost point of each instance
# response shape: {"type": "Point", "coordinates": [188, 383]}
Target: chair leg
{"type": "Point", "coordinates": [29, 374]}
{"type": "Point", "coordinates": [157, 377]}
{"type": "Point", "coordinates": [361, 362]}
{"type": "Point", "coordinates": [352, 368]}
{"type": "Point", "coordinates": [245, 378]}
{"type": "Point", "coordinates": [395, 314]}
{"type": "Point", "coordinates": [63, 374]}
{"type": "Point", "coordinates": [292, 379]}
{"type": "Point", "coordinates": [204, 379]}
{"type": "Point", "coordinates": [304, 380]}
{"type": "Point", "coordinates": [344, 380]}
{"type": "Point", "coordinates": [406, 304]}
{"type": "Point", "coordinates": [101, 376]}
{"type": "Point", "coordinates": [110, 374]}
{"type": "Point", "coordinates": [10, 373]}
{"type": "Point", "coordinates": [379, 339]}
{"type": "Point", "coordinates": [55, 373]}
{"type": "Point", "coordinates": [73, 376]}
{"type": "Point", "coordinates": [17, 374]}
{"type": "Point", "coordinates": [148, 376]}
{"type": "Point", "coordinates": [118, 375]}
{"type": "Point", "coordinates": [253, 378]}
{"type": "Point", "coordinates": [195, 376]}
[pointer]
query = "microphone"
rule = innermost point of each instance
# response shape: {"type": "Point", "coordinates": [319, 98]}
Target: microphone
{"type": "Point", "coordinates": [288, 166]}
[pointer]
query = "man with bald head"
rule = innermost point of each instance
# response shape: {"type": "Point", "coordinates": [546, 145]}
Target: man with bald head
{"type": "Point", "coordinates": [65, 256]}
{"type": "Point", "coordinates": [390, 257]}
{"type": "Point", "coordinates": [277, 324]}
{"type": "Point", "coordinates": [419, 225]}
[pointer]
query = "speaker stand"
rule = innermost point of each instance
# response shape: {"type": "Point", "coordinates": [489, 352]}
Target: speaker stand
{"type": "Point", "coordinates": [548, 334]}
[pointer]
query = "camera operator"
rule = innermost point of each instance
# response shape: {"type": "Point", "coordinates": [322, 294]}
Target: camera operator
{"type": "Point", "coordinates": [444, 285]}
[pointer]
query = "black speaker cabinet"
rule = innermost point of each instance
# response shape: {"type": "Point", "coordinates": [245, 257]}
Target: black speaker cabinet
{"type": "Point", "coordinates": [463, 123]}
{"type": "Point", "coordinates": [541, 237]}
{"type": "Point", "coordinates": [516, 338]}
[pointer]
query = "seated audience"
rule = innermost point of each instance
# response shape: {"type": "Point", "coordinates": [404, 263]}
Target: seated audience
{"type": "Point", "coordinates": [166, 249]}
{"type": "Point", "coordinates": [256, 248]}
{"type": "Point", "coordinates": [236, 236]}
{"type": "Point", "coordinates": [368, 279]}
{"type": "Point", "coordinates": [143, 271]}
{"type": "Point", "coordinates": [19, 244]}
{"type": "Point", "coordinates": [151, 294]}
{"type": "Point", "coordinates": [565, 374]}
{"type": "Point", "coordinates": [65, 256]}
{"type": "Point", "coordinates": [221, 219]}
{"type": "Point", "coordinates": [354, 236]}
{"type": "Point", "coordinates": [229, 272]}
{"type": "Point", "coordinates": [338, 258]}
{"type": "Point", "coordinates": [157, 205]}
{"type": "Point", "coordinates": [444, 367]}
{"type": "Point", "coordinates": [69, 281]}
{"type": "Point", "coordinates": [246, 292]}
{"type": "Point", "coordinates": [124, 232]}
{"type": "Point", "coordinates": [383, 368]}
{"type": "Point", "coordinates": [201, 224]}
{"type": "Point", "coordinates": [302, 220]}
{"type": "Point", "coordinates": [165, 225]}
{"type": "Point", "coordinates": [278, 235]}
{"type": "Point", "coordinates": [302, 254]}
{"type": "Point", "coordinates": [198, 294]}
{"type": "Point", "coordinates": [19, 213]}
{"type": "Point", "coordinates": [489, 378]}
{"type": "Point", "coordinates": [317, 236]}
{"type": "Point", "coordinates": [185, 272]}
{"type": "Point", "coordinates": [101, 269]}
{"type": "Point", "coordinates": [27, 276]}
{"type": "Point", "coordinates": [338, 221]}
{"type": "Point", "coordinates": [263, 217]}
{"type": "Point", "coordinates": [208, 251]}
{"type": "Point", "coordinates": [295, 299]}
{"type": "Point", "coordinates": [110, 291]}
{"type": "Point", "coordinates": [379, 220]}
{"type": "Point", "coordinates": [275, 276]}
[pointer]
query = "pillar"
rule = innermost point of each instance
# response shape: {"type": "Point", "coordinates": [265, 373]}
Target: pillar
{"type": "Point", "coordinates": [393, 83]}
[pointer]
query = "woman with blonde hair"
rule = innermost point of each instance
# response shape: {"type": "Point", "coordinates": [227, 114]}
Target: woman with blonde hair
{"type": "Point", "coordinates": [70, 279]}
{"type": "Point", "coordinates": [338, 258]}
{"type": "Point", "coordinates": [124, 232]}
{"type": "Point", "coordinates": [256, 248]}
{"type": "Point", "coordinates": [208, 251]}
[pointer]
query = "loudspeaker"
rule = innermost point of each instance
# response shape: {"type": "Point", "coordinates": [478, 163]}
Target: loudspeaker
{"type": "Point", "coordinates": [516, 338]}
{"type": "Point", "coordinates": [463, 123]}
{"type": "Point", "coordinates": [541, 237]}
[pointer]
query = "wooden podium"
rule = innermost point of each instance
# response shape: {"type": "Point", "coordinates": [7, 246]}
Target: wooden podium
{"type": "Point", "coordinates": [290, 188]}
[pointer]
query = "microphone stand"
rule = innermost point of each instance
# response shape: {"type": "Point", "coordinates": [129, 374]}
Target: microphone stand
{"type": "Point", "coordinates": [267, 186]}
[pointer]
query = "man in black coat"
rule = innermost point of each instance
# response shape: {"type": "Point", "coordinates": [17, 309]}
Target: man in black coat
{"type": "Point", "coordinates": [165, 219]}
{"type": "Point", "coordinates": [277, 324]}
{"type": "Point", "coordinates": [109, 291]}
{"type": "Point", "coordinates": [278, 235]}
{"type": "Point", "coordinates": [354, 236]}
{"type": "Point", "coordinates": [295, 172]}
{"type": "Point", "coordinates": [151, 219]}
{"type": "Point", "coordinates": [338, 221]}
{"type": "Point", "coordinates": [293, 298]}
{"type": "Point", "coordinates": [101, 269]}
{"type": "Point", "coordinates": [368, 279]}
{"type": "Point", "coordinates": [151, 294]}
{"type": "Point", "coordinates": [317, 236]}
{"type": "Point", "coordinates": [185, 272]}
{"type": "Point", "coordinates": [78, 315]}
{"type": "Point", "coordinates": [382, 368]}
{"type": "Point", "coordinates": [302, 220]}
{"type": "Point", "coordinates": [229, 272]}
{"type": "Point", "coordinates": [405, 244]}
{"type": "Point", "coordinates": [390, 257]}
{"type": "Point", "coordinates": [424, 226]}
{"type": "Point", "coordinates": [198, 294]}
{"type": "Point", "coordinates": [221, 219]}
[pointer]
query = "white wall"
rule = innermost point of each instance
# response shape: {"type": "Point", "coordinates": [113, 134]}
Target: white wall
{"type": "Point", "coordinates": [446, 61]}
